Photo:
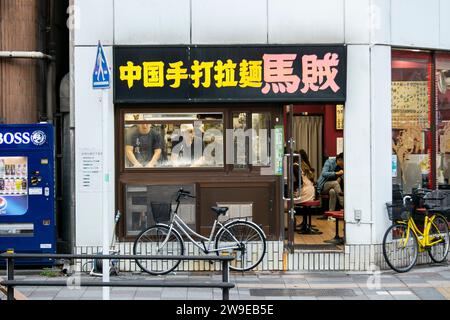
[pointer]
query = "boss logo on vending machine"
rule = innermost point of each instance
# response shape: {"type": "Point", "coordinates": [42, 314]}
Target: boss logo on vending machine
{"type": "Point", "coordinates": [38, 138]}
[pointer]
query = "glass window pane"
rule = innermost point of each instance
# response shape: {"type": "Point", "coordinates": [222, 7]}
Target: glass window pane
{"type": "Point", "coordinates": [173, 140]}
{"type": "Point", "coordinates": [443, 119]}
{"type": "Point", "coordinates": [240, 140]}
{"type": "Point", "coordinates": [142, 202]}
{"type": "Point", "coordinates": [254, 127]}
{"type": "Point", "coordinates": [411, 135]}
{"type": "Point", "coordinates": [261, 139]}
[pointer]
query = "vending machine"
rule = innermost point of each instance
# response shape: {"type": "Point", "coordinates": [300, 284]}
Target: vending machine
{"type": "Point", "coordinates": [27, 210]}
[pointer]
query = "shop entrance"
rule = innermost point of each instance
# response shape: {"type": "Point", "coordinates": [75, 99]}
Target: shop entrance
{"type": "Point", "coordinates": [314, 134]}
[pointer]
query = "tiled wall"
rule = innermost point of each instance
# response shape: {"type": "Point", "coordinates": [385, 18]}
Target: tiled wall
{"type": "Point", "coordinates": [354, 258]}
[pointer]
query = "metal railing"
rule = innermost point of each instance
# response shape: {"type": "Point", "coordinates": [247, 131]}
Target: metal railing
{"type": "Point", "coordinates": [10, 283]}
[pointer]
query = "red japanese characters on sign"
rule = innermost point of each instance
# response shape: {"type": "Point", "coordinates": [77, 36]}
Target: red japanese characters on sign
{"type": "Point", "coordinates": [318, 74]}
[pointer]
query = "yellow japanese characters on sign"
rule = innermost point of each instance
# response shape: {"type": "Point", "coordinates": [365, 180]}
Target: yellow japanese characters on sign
{"type": "Point", "coordinates": [202, 74]}
{"type": "Point", "coordinates": [153, 74]}
{"type": "Point", "coordinates": [130, 73]}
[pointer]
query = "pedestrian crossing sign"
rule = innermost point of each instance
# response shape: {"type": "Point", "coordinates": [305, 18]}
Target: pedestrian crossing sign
{"type": "Point", "coordinates": [101, 77]}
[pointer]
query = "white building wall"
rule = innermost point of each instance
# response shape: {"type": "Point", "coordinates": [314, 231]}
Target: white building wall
{"type": "Point", "coordinates": [357, 21]}
{"type": "Point", "coordinates": [230, 22]}
{"type": "Point", "coordinates": [88, 135]}
{"type": "Point", "coordinates": [357, 145]}
{"type": "Point", "coordinates": [444, 24]}
{"type": "Point", "coordinates": [305, 21]}
{"type": "Point", "coordinates": [381, 139]}
{"type": "Point", "coordinates": [94, 22]}
{"type": "Point", "coordinates": [147, 22]}
{"type": "Point", "coordinates": [368, 27]}
{"type": "Point", "coordinates": [415, 23]}
{"type": "Point", "coordinates": [420, 23]}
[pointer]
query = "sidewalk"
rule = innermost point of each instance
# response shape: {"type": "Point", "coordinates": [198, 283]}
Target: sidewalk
{"type": "Point", "coordinates": [430, 282]}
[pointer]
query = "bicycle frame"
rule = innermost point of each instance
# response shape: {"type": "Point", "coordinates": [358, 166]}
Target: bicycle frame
{"type": "Point", "coordinates": [423, 238]}
{"type": "Point", "coordinates": [182, 226]}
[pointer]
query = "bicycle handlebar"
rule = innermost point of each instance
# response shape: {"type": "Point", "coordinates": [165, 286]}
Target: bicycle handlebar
{"type": "Point", "coordinates": [182, 193]}
{"type": "Point", "coordinates": [406, 198]}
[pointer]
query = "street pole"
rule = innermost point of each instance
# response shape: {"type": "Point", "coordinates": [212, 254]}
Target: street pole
{"type": "Point", "coordinates": [101, 70]}
{"type": "Point", "coordinates": [105, 189]}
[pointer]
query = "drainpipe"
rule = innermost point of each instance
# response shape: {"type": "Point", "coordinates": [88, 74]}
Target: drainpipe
{"type": "Point", "coordinates": [25, 55]}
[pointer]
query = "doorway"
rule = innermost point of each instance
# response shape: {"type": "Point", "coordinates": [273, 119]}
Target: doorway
{"type": "Point", "coordinates": [318, 131]}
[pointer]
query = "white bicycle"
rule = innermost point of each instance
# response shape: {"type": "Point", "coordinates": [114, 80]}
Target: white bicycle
{"type": "Point", "coordinates": [243, 239]}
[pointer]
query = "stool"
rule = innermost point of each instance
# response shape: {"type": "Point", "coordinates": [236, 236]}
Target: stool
{"type": "Point", "coordinates": [337, 215]}
{"type": "Point", "coordinates": [304, 224]}
{"type": "Point", "coordinates": [306, 227]}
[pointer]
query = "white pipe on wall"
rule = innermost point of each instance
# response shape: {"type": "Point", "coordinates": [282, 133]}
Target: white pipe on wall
{"type": "Point", "coordinates": [25, 55]}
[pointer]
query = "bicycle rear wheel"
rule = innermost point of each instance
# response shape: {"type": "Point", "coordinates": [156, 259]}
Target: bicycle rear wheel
{"type": "Point", "coordinates": [400, 248]}
{"type": "Point", "coordinates": [250, 248]}
{"type": "Point", "coordinates": [149, 243]}
{"type": "Point", "coordinates": [439, 232]}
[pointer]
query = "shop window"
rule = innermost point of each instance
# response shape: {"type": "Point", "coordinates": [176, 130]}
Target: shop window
{"type": "Point", "coordinates": [443, 119]}
{"type": "Point", "coordinates": [156, 140]}
{"type": "Point", "coordinates": [141, 200]}
{"type": "Point", "coordinates": [411, 119]}
{"type": "Point", "coordinates": [251, 139]}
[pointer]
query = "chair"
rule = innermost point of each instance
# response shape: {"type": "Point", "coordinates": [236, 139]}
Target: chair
{"type": "Point", "coordinates": [338, 215]}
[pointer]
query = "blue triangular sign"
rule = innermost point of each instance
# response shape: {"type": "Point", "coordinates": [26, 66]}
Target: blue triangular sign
{"type": "Point", "coordinates": [101, 76]}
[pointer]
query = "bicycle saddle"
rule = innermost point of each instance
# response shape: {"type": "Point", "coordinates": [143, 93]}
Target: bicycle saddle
{"type": "Point", "coordinates": [220, 210]}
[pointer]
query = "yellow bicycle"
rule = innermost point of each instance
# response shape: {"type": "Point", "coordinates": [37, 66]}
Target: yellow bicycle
{"type": "Point", "coordinates": [404, 240]}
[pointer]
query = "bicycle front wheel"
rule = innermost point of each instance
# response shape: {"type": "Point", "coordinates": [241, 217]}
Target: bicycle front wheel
{"type": "Point", "coordinates": [152, 242]}
{"type": "Point", "coordinates": [400, 248]}
{"type": "Point", "coordinates": [245, 241]}
{"type": "Point", "coordinates": [439, 238]}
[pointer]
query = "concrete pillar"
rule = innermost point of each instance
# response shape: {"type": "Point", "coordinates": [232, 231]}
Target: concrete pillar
{"type": "Point", "coordinates": [367, 139]}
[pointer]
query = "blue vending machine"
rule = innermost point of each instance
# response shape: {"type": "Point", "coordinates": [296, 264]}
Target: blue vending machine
{"type": "Point", "coordinates": [27, 210]}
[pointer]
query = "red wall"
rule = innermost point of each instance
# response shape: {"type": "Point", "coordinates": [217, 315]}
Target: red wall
{"type": "Point", "coordinates": [329, 119]}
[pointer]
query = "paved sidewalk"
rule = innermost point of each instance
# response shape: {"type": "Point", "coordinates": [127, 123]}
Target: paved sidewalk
{"type": "Point", "coordinates": [421, 283]}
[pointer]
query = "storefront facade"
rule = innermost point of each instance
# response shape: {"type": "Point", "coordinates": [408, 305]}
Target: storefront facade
{"type": "Point", "coordinates": [363, 34]}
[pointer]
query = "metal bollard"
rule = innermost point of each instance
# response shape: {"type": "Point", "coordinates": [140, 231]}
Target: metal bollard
{"type": "Point", "coordinates": [10, 272]}
{"type": "Point", "coordinates": [225, 278]}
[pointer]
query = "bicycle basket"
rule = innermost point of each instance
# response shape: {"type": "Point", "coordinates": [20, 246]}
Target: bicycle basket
{"type": "Point", "coordinates": [397, 211]}
{"type": "Point", "coordinates": [161, 211]}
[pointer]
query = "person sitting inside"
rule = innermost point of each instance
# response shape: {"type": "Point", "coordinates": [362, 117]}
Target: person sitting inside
{"type": "Point", "coordinates": [142, 146]}
{"type": "Point", "coordinates": [308, 190]}
{"type": "Point", "coordinates": [329, 181]}
{"type": "Point", "coordinates": [304, 172]}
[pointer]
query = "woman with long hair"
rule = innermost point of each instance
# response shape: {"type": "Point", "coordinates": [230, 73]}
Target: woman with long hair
{"type": "Point", "coordinates": [308, 191]}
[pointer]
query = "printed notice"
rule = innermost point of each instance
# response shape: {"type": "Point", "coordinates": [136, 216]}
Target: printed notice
{"type": "Point", "coordinates": [91, 170]}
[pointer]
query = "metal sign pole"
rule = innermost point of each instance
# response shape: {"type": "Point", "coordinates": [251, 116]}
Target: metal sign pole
{"type": "Point", "coordinates": [101, 79]}
{"type": "Point", "coordinates": [105, 188]}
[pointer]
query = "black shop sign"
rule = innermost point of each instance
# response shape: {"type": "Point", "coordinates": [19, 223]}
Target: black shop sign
{"type": "Point", "coordinates": [155, 74]}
